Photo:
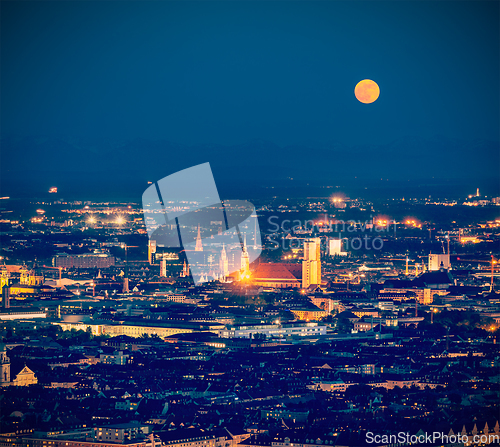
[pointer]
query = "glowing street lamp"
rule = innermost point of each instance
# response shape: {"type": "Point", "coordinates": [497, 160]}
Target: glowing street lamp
{"type": "Point", "coordinates": [434, 311]}
{"type": "Point", "coordinates": [120, 220]}
{"type": "Point", "coordinates": [493, 262]}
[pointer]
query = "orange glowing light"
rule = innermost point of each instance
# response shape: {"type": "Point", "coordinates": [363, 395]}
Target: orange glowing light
{"type": "Point", "coordinates": [367, 91]}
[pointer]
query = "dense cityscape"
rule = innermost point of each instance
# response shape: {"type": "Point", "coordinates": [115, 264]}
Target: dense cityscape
{"type": "Point", "coordinates": [357, 319]}
{"type": "Point", "coordinates": [249, 223]}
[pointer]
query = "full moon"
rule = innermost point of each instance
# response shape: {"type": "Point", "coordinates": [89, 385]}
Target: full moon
{"type": "Point", "coordinates": [367, 91]}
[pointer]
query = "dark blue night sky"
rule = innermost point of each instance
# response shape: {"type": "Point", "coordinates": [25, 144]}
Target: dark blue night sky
{"type": "Point", "coordinates": [97, 76]}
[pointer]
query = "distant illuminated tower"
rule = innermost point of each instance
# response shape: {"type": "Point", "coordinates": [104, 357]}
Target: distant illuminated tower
{"type": "Point", "coordinates": [245, 262]}
{"type": "Point", "coordinates": [151, 251]}
{"type": "Point", "coordinates": [6, 297]}
{"type": "Point", "coordinates": [311, 265]}
{"type": "Point", "coordinates": [4, 278]}
{"type": "Point", "coordinates": [477, 192]}
{"type": "Point", "coordinates": [125, 286]}
{"type": "Point", "coordinates": [25, 277]}
{"type": "Point", "coordinates": [185, 269]}
{"type": "Point", "coordinates": [223, 262]}
{"type": "Point", "coordinates": [163, 268]}
{"type": "Point", "coordinates": [4, 366]}
{"type": "Point", "coordinates": [198, 247]}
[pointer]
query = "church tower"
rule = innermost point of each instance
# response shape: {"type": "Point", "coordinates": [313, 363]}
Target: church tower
{"type": "Point", "coordinates": [151, 251]}
{"type": "Point", "coordinates": [4, 277]}
{"type": "Point", "coordinates": [185, 269]}
{"type": "Point", "coordinates": [245, 262]}
{"type": "Point", "coordinates": [223, 262]}
{"type": "Point", "coordinates": [198, 247]}
{"type": "Point", "coordinates": [311, 265]}
{"type": "Point", "coordinates": [4, 366]}
{"type": "Point", "coordinates": [25, 276]}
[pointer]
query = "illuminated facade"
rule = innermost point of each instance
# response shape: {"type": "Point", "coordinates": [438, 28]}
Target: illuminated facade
{"type": "Point", "coordinates": [25, 377]}
{"type": "Point", "coordinates": [171, 260]}
{"type": "Point", "coordinates": [335, 247]}
{"type": "Point", "coordinates": [274, 330]}
{"type": "Point", "coordinates": [309, 314]}
{"type": "Point", "coordinates": [437, 262]}
{"type": "Point", "coordinates": [4, 277]}
{"type": "Point", "coordinates": [311, 265]}
{"type": "Point", "coordinates": [161, 331]}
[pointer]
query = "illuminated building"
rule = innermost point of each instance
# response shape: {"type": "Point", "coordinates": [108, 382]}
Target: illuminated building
{"type": "Point", "coordinates": [151, 251]}
{"type": "Point", "coordinates": [335, 247]}
{"type": "Point", "coordinates": [137, 330]}
{"type": "Point", "coordinates": [273, 330]}
{"type": "Point", "coordinates": [30, 283]}
{"type": "Point", "coordinates": [21, 314]}
{"type": "Point", "coordinates": [309, 314]}
{"type": "Point", "coordinates": [25, 377]}
{"type": "Point", "coordinates": [4, 277]}
{"type": "Point", "coordinates": [327, 304]}
{"type": "Point", "coordinates": [439, 261]}
{"type": "Point", "coordinates": [4, 288]}
{"type": "Point", "coordinates": [30, 278]}
{"type": "Point", "coordinates": [311, 265]}
{"type": "Point", "coordinates": [171, 261]}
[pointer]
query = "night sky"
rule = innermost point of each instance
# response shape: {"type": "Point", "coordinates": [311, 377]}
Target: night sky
{"type": "Point", "coordinates": [92, 80]}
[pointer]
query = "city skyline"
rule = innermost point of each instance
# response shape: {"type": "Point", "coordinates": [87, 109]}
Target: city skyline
{"type": "Point", "coordinates": [120, 90]}
{"type": "Point", "coordinates": [249, 224]}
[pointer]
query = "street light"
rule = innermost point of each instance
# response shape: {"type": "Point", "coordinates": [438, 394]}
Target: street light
{"type": "Point", "coordinates": [493, 262]}
{"type": "Point", "coordinates": [120, 220]}
{"type": "Point", "coordinates": [434, 310]}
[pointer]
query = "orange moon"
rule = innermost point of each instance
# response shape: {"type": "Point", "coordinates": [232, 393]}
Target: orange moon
{"type": "Point", "coordinates": [367, 91]}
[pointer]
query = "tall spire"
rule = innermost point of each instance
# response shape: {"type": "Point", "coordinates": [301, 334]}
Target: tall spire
{"type": "Point", "coordinates": [198, 247]}
{"type": "Point", "coordinates": [223, 262]}
{"type": "Point", "coordinates": [245, 262]}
